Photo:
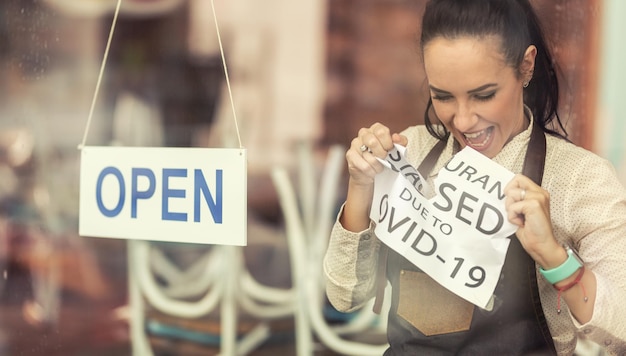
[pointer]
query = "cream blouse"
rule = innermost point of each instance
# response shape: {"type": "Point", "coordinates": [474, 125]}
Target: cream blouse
{"type": "Point", "coordinates": [588, 210]}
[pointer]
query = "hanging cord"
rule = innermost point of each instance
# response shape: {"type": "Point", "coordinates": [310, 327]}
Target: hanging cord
{"type": "Point", "coordinates": [102, 66]}
{"type": "Point", "coordinates": [230, 94]}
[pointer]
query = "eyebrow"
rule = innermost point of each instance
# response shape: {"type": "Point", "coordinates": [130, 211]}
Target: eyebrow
{"type": "Point", "coordinates": [472, 91]}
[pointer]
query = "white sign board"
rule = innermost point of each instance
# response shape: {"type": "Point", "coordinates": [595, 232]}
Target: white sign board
{"type": "Point", "coordinates": [195, 195]}
{"type": "Point", "coordinates": [460, 236]}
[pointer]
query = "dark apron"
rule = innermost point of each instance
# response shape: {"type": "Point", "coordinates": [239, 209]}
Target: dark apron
{"type": "Point", "coordinates": [515, 325]}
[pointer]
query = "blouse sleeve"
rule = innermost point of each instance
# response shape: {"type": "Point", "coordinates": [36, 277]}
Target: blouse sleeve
{"type": "Point", "coordinates": [350, 266]}
{"type": "Point", "coordinates": [351, 260]}
{"type": "Point", "coordinates": [596, 215]}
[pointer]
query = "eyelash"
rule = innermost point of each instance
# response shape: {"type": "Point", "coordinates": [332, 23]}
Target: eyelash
{"type": "Point", "coordinates": [486, 97]}
{"type": "Point", "coordinates": [441, 98]}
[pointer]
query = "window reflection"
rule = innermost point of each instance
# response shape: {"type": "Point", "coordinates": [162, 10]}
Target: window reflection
{"type": "Point", "coordinates": [65, 294]}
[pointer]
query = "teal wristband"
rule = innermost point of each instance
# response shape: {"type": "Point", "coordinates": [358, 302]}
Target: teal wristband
{"type": "Point", "coordinates": [566, 269]}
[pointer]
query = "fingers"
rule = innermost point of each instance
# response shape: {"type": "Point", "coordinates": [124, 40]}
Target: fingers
{"type": "Point", "coordinates": [362, 164]}
{"type": "Point", "coordinates": [377, 139]}
{"type": "Point", "coordinates": [374, 141]}
{"type": "Point", "coordinates": [519, 189]}
{"type": "Point", "coordinates": [525, 199]}
{"type": "Point", "coordinates": [400, 139]}
{"type": "Point", "coordinates": [528, 207]}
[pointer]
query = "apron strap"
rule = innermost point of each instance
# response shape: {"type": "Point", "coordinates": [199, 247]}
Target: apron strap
{"type": "Point", "coordinates": [535, 159]}
{"type": "Point", "coordinates": [534, 164]}
{"type": "Point", "coordinates": [381, 273]}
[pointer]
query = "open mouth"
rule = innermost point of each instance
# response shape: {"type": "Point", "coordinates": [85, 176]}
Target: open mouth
{"type": "Point", "coordinates": [479, 139]}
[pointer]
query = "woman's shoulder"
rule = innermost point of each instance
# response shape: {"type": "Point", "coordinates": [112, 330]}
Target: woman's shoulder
{"type": "Point", "coordinates": [568, 151]}
{"type": "Point", "coordinates": [420, 141]}
{"type": "Point", "coordinates": [564, 157]}
{"type": "Point", "coordinates": [419, 137]}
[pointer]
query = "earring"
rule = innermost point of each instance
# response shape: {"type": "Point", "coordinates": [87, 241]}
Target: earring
{"type": "Point", "coordinates": [530, 77]}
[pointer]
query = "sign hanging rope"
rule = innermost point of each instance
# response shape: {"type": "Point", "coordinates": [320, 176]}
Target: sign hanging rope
{"type": "Point", "coordinates": [100, 75]}
{"type": "Point", "coordinates": [104, 61]}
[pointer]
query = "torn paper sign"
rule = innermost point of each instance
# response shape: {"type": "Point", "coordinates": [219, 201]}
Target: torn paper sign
{"type": "Point", "coordinates": [396, 161]}
{"type": "Point", "coordinates": [460, 236]}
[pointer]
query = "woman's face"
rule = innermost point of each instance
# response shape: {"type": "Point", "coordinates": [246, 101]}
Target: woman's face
{"type": "Point", "coordinates": [477, 96]}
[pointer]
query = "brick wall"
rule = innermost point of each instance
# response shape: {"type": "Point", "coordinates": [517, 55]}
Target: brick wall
{"type": "Point", "coordinates": [374, 68]}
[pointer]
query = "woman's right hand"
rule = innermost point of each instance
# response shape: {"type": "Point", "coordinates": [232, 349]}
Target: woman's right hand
{"type": "Point", "coordinates": [371, 142]}
{"type": "Point", "coordinates": [363, 166]}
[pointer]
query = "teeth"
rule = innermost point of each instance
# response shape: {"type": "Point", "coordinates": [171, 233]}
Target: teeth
{"type": "Point", "coordinates": [475, 135]}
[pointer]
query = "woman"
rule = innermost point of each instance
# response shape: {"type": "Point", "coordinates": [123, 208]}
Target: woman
{"type": "Point", "coordinates": [493, 88]}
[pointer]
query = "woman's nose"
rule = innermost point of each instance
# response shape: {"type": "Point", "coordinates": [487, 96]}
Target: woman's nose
{"type": "Point", "coordinates": [464, 118]}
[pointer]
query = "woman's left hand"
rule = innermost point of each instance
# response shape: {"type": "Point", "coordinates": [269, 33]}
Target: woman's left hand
{"type": "Point", "coordinates": [528, 207]}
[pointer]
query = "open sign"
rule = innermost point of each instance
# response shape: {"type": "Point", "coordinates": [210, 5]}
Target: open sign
{"type": "Point", "coordinates": [196, 195]}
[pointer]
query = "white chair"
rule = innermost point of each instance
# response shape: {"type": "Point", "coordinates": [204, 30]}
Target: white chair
{"type": "Point", "coordinates": [220, 278]}
{"type": "Point", "coordinates": [307, 235]}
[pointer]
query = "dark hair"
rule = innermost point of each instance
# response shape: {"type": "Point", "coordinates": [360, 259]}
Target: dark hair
{"type": "Point", "coordinates": [516, 23]}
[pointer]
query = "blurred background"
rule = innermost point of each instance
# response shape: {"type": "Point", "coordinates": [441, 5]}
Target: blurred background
{"type": "Point", "coordinates": [305, 75]}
